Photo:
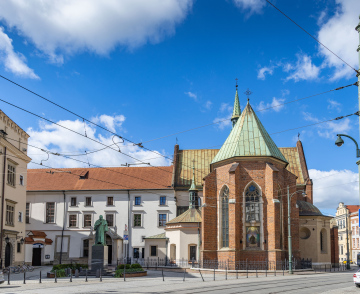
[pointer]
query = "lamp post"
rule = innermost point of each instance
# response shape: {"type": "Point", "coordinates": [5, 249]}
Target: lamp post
{"type": "Point", "coordinates": [289, 225]}
{"type": "Point", "coordinates": [339, 142]}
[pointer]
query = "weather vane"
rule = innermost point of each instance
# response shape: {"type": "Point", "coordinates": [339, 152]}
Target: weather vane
{"type": "Point", "coordinates": [248, 93]}
{"type": "Point", "coordinates": [236, 83]}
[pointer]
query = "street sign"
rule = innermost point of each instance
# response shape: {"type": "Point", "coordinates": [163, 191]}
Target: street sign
{"type": "Point", "coordinates": [126, 237]}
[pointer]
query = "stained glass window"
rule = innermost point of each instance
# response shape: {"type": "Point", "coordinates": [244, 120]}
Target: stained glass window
{"type": "Point", "coordinates": [252, 206]}
{"type": "Point", "coordinates": [225, 217]}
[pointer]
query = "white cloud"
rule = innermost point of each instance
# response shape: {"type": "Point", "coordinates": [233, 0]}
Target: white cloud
{"type": "Point", "coordinates": [56, 139]}
{"type": "Point", "coordinates": [338, 33]}
{"type": "Point", "coordinates": [334, 105]}
{"type": "Point", "coordinates": [60, 27]}
{"type": "Point", "coordinates": [110, 122]}
{"type": "Point", "coordinates": [334, 186]}
{"type": "Point", "coordinates": [276, 105]}
{"type": "Point", "coordinates": [208, 105]}
{"type": "Point", "coordinates": [264, 71]}
{"type": "Point", "coordinates": [13, 61]}
{"type": "Point", "coordinates": [329, 129]}
{"type": "Point", "coordinates": [304, 69]}
{"type": "Point", "coordinates": [192, 95]}
{"type": "Point", "coordinates": [223, 119]}
{"type": "Point", "coordinates": [255, 6]}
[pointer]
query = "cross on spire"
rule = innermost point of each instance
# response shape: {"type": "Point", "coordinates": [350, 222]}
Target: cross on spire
{"type": "Point", "coordinates": [236, 85]}
{"type": "Point", "coordinates": [248, 93]}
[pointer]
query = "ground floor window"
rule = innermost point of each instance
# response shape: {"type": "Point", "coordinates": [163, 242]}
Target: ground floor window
{"type": "Point", "coordinates": [153, 251]}
{"type": "Point", "coordinates": [86, 248]}
{"type": "Point", "coordinates": [18, 247]}
{"type": "Point", "coordinates": [142, 252]}
{"type": "Point", "coordinates": [192, 254]}
{"type": "Point", "coordinates": [136, 253]}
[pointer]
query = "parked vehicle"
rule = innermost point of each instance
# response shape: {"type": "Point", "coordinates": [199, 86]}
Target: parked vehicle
{"type": "Point", "coordinates": [356, 278]}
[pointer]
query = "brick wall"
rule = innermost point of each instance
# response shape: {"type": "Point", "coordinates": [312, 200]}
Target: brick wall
{"type": "Point", "coordinates": [334, 240]}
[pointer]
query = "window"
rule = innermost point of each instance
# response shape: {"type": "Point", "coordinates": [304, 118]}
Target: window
{"type": "Point", "coordinates": [11, 175]}
{"type": "Point", "coordinates": [181, 210]}
{"type": "Point", "coordinates": [50, 212]}
{"type": "Point", "coordinates": [162, 220]}
{"type": "Point", "coordinates": [143, 252]}
{"type": "Point", "coordinates": [87, 220]}
{"type": "Point", "coordinates": [153, 251]}
{"type": "Point", "coordinates": [73, 201]}
{"type": "Point", "coordinates": [137, 200]}
{"type": "Point", "coordinates": [110, 220]}
{"type": "Point", "coordinates": [27, 213]}
{"type": "Point", "coordinates": [21, 180]}
{"type": "Point", "coordinates": [162, 200]}
{"type": "Point", "coordinates": [86, 248]}
{"type": "Point", "coordinates": [137, 220]}
{"type": "Point", "coordinates": [72, 220]}
{"type": "Point", "coordinates": [354, 243]}
{"type": "Point", "coordinates": [10, 214]}
{"type": "Point", "coordinates": [358, 244]}
{"type": "Point", "coordinates": [18, 247]}
{"type": "Point", "coordinates": [88, 201]}
{"type": "Point", "coordinates": [192, 253]}
{"type": "Point", "coordinates": [342, 250]}
{"type": "Point", "coordinates": [225, 217]}
{"type": "Point", "coordinates": [20, 217]}
{"type": "Point", "coordinates": [136, 253]}
{"type": "Point", "coordinates": [110, 201]}
{"type": "Point", "coordinates": [252, 207]}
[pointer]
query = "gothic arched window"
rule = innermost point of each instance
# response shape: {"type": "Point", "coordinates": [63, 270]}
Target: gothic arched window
{"type": "Point", "coordinates": [252, 206]}
{"type": "Point", "coordinates": [225, 217]}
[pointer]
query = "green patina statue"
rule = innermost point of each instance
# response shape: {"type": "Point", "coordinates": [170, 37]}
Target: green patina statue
{"type": "Point", "coordinates": [100, 227]}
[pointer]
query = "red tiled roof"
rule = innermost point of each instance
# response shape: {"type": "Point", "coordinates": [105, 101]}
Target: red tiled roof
{"type": "Point", "coordinates": [38, 234]}
{"type": "Point", "coordinates": [112, 178]}
{"type": "Point", "coordinates": [352, 208]}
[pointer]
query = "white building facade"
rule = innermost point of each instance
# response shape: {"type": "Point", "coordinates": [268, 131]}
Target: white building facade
{"type": "Point", "coordinates": [64, 205]}
{"type": "Point", "coordinates": [355, 236]}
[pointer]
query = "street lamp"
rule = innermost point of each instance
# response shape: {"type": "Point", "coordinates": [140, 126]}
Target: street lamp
{"type": "Point", "coordinates": [7, 239]}
{"type": "Point", "coordinates": [339, 142]}
{"type": "Point", "coordinates": [289, 225]}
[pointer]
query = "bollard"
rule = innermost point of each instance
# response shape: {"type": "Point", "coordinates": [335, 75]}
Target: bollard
{"type": "Point", "coordinates": [247, 271]}
{"type": "Point", "coordinates": [9, 277]}
{"type": "Point", "coordinates": [55, 277]}
{"type": "Point", "coordinates": [283, 270]}
{"type": "Point", "coordinates": [237, 276]}
{"type": "Point", "coordinates": [40, 278]}
{"type": "Point", "coordinates": [100, 276]}
{"type": "Point", "coordinates": [86, 275]}
{"type": "Point", "coordinates": [77, 273]}
{"type": "Point", "coordinates": [162, 273]}
{"type": "Point", "coordinates": [256, 272]}
{"type": "Point", "coordinates": [24, 277]}
{"type": "Point", "coordinates": [265, 271]}
{"type": "Point", "coordinates": [325, 268]}
{"type": "Point", "coordinates": [201, 275]}
{"type": "Point", "coordinates": [70, 275]}
{"type": "Point", "coordinates": [124, 272]}
{"type": "Point", "coordinates": [275, 271]}
{"type": "Point", "coordinates": [184, 274]}
{"type": "Point", "coordinates": [225, 272]}
{"type": "Point", "coordinates": [214, 274]}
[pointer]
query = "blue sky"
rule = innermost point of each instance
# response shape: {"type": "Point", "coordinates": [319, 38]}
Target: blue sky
{"type": "Point", "coordinates": [148, 70]}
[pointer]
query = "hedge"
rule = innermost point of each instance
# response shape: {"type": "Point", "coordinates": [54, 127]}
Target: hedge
{"type": "Point", "coordinates": [120, 272]}
{"type": "Point", "coordinates": [64, 266]}
{"type": "Point", "coordinates": [121, 266]}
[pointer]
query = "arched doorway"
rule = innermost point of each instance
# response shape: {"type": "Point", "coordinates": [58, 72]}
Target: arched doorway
{"type": "Point", "coordinates": [8, 254]}
{"type": "Point", "coordinates": [109, 245]}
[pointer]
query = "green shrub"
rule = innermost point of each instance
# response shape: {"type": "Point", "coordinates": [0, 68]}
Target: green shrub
{"type": "Point", "coordinates": [120, 272]}
{"type": "Point", "coordinates": [73, 266]}
{"type": "Point", "coordinates": [136, 265]}
{"type": "Point", "coordinates": [121, 266]}
{"type": "Point", "coordinates": [60, 273]}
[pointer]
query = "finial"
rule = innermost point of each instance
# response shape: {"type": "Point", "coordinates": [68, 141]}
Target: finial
{"type": "Point", "coordinates": [248, 93]}
{"type": "Point", "coordinates": [236, 85]}
{"type": "Point", "coordinates": [193, 167]}
{"type": "Point", "coordinates": [298, 136]}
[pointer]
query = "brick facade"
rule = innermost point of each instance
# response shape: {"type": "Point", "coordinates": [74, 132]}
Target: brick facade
{"type": "Point", "coordinates": [272, 178]}
{"type": "Point", "coordinates": [334, 240]}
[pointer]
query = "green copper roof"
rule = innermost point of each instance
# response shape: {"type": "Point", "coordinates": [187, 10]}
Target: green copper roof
{"type": "Point", "coordinates": [248, 138]}
{"type": "Point", "coordinates": [193, 184]}
{"type": "Point", "coordinates": [159, 236]}
{"type": "Point", "coordinates": [192, 215]}
{"type": "Point", "coordinates": [237, 109]}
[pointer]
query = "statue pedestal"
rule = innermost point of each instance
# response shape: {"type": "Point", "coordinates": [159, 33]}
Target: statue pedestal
{"type": "Point", "coordinates": [99, 258]}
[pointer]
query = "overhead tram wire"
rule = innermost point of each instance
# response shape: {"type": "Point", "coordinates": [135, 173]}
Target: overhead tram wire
{"type": "Point", "coordinates": [138, 144]}
{"type": "Point", "coordinates": [125, 153]}
{"type": "Point", "coordinates": [327, 48]}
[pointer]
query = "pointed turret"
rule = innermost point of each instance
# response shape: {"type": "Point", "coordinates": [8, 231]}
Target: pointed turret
{"type": "Point", "coordinates": [248, 138]}
{"type": "Point", "coordinates": [193, 192]}
{"type": "Point", "coordinates": [237, 109]}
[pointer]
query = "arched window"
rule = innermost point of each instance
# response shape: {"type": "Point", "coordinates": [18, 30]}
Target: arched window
{"type": "Point", "coordinates": [252, 216]}
{"type": "Point", "coordinates": [225, 217]}
{"type": "Point", "coordinates": [323, 241]}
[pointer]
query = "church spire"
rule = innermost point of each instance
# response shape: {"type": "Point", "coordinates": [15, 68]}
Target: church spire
{"type": "Point", "coordinates": [193, 192]}
{"type": "Point", "coordinates": [237, 109]}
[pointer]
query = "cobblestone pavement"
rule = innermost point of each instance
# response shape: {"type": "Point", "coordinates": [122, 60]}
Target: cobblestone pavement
{"type": "Point", "coordinates": [338, 282]}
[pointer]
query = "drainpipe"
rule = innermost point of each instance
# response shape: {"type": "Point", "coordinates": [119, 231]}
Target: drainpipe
{"type": "Point", "coordinates": [63, 228]}
{"type": "Point", "coordinates": [129, 231]}
{"type": "Point", "coordinates": [2, 210]}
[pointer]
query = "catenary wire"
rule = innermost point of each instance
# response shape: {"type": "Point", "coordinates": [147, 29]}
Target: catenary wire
{"type": "Point", "coordinates": [327, 48]}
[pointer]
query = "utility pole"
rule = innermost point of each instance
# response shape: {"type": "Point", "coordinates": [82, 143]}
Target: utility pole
{"type": "Point", "coordinates": [347, 241]}
{"type": "Point", "coordinates": [289, 232]}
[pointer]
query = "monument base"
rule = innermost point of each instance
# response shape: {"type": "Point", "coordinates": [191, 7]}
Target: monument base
{"type": "Point", "coordinates": [99, 258]}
